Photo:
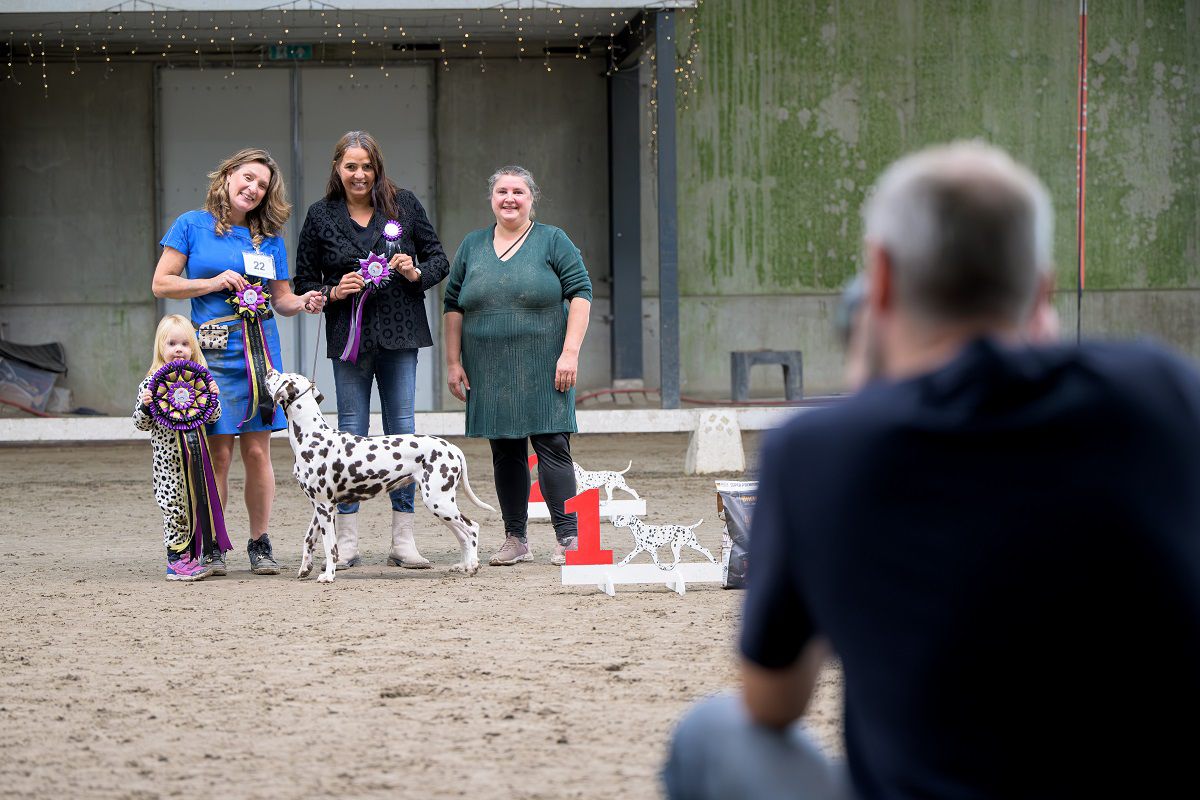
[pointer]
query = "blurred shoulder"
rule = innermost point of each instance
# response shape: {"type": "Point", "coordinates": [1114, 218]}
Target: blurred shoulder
{"type": "Point", "coordinates": [1142, 370]}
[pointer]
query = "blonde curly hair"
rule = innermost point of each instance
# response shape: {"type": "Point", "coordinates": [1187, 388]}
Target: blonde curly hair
{"type": "Point", "coordinates": [269, 216]}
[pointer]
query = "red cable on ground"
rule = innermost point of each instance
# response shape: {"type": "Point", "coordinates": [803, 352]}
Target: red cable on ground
{"type": "Point", "coordinates": [26, 409]}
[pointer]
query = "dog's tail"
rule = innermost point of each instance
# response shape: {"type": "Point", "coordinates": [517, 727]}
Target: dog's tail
{"type": "Point", "coordinates": [697, 525]}
{"type": "Point", "coordinates": [622, 472]}
{"type": "Point", "coordinates": [470, 492]}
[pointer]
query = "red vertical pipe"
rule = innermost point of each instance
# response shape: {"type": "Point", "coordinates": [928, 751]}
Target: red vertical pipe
{"type": "Point", "coordinates": [1081, 168]}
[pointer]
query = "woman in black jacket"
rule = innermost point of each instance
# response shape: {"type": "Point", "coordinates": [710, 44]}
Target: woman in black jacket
{"type": "Point", "coordinates": [370, 249]}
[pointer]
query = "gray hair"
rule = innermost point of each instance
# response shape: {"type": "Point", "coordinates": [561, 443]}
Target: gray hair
{"type": "Point", "coordinates": [517, 172]}
{"type": "Point", "coordinates": [968, 232]}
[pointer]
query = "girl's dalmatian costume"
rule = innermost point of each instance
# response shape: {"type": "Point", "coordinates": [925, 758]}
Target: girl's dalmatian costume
{"type": "Point", "coordinates": [169, 488]}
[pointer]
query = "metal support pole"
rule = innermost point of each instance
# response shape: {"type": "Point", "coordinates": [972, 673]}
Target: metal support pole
{"type": "Point", "coordinates": [625, 232]}
{"type": "Point", "coordinates": [668, 245]}
{"type": "Point", "coordinates": [298, 203]}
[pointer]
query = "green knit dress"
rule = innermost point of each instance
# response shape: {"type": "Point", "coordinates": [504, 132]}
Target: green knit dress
{"type": "Point", "coordinates": [514, 324]}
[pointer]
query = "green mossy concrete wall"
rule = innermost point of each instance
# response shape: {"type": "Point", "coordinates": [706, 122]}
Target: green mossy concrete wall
{"type": "Point", "coordinates": [801, 104]}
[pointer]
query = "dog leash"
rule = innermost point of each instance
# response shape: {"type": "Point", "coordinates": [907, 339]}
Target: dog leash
{"type": "Point", "coordinates": [312, 376]}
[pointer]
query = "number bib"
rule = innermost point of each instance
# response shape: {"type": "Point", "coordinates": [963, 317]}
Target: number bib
{"type": "Point", "coordinates": [261, 265]}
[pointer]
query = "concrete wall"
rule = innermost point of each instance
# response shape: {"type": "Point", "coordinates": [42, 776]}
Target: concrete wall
{"type": "Point", "coordinates": [798, 107]}
{"type": "Point", "coordinates": [77, 228]}
{"type": "Point", "coordinates": [800, 104]}
{"type": "Point", "coordinates": [554, 124]}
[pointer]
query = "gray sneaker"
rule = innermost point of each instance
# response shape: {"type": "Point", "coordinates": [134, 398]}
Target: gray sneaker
{"type": "Point", "coordinates": [216, 560]}
{"type": "Point", "coordinates": [262, 560]}
{"type": "Point", "coordinates": [512, 551]}
{"type": "Point", "coordinates": [560, 550]}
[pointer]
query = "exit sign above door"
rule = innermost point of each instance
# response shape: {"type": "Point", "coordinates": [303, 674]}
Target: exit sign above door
{"type": "Point", "coordinates": [291, 52]}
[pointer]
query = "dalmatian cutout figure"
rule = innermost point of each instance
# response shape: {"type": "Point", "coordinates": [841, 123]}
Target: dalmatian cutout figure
{"type": "Point", "coordinates": [602, 479]}
{"type": "Point", "coordinates": [652, 537]}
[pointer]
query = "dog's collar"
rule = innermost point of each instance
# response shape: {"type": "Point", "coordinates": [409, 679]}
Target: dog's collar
{"type": "Point", "coordinates": [286, 404]}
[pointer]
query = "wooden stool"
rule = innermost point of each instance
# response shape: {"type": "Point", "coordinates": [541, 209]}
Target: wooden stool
{"type": "Point", "coordinates": [740, 362]}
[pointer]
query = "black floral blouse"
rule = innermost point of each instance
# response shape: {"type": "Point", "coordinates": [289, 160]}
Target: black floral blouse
{"type": "Point", "coordinates": [394, 316]}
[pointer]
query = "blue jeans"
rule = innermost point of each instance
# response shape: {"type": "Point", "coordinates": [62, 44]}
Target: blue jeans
{"type": "Point", "coordinates": [395, 371]}
{"type": "Point", "coordinates": [717, 752]}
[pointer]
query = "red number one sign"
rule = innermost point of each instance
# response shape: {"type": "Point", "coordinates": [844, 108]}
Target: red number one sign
{"type": "Point", "coordinates": [535, 491]}
{"type": "Point", "coordinates": [587, 514]}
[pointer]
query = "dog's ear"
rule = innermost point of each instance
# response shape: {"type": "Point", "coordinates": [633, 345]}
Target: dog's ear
{"type": "Point", "coordinates": [320, 397]}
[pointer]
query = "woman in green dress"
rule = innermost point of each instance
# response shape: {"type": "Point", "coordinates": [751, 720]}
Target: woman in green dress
{"type": "Point", "coordinates": [516, 311]}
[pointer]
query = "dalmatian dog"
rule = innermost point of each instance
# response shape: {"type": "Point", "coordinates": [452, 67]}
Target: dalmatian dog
{"type": "Point", "coordinates": [335, 467]}
{"type": "Point", "coordinates": [652, 537]}
{"type": "Point", "coordinates": [608, 480]}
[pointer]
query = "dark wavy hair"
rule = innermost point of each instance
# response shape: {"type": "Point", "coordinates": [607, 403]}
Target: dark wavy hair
{"type": "Point", "coordinates": [383, 192]}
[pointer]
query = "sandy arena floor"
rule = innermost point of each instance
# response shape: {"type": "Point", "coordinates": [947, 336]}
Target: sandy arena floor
{"type": "Point", "coordinates": [388, 683]}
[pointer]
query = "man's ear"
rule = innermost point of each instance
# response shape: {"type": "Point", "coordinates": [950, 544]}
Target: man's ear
{"type": "Point", "coordinates": [881, 279]}
{"type": "Point", "coordinates": [1043, 324]}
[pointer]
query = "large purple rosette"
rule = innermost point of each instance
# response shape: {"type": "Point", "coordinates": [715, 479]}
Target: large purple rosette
{"type": "Point", "coordinates": [251, 304]}
{"type": "Point", "coordinates": [376, 273]}
{"type": "Point", "coordinates": [182, 399]}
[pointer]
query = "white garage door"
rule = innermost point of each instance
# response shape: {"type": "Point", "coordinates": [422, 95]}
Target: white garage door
{"type": "Point", "coordinates": [298, 114]}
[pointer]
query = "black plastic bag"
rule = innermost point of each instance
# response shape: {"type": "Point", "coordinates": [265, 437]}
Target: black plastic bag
{"type": "Point", "coordinates": [735, 505]}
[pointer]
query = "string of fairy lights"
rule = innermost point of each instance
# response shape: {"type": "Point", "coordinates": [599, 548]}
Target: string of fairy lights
{"type": "Point", "coordinates": [353, 39]}
{"type": "Point", "coordinates": [143, 30]}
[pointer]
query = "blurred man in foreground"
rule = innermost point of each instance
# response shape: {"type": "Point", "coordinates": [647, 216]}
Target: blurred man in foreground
{"type": "Point", "coordinates": [1000, 542]}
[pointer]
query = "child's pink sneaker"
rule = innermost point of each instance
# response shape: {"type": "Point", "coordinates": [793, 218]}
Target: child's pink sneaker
{"type": "Point", "coordinates": [187, 568]}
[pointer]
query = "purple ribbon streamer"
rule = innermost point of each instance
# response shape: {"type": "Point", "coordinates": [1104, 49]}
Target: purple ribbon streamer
{"type": "Point", "coordinates": [214, 499]}
{"type": "Point", "coordinates": [354, 340]}
{"type": "Point", "coordinates": [207, 516]}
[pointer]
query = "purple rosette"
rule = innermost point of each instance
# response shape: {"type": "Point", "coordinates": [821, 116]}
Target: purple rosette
{"type": "Point", "coordinates": [375, 272]}
{"type": "Point", "coordinates": [251, 300]}
{"type": "Point", "coordinates": [182, 400]}
{"type": "Point", "coordinates": [251, 303]}
{"type": "Point", "coordinates": [180, 397]}
{"type": "Point", "coordinates": [392, 230]}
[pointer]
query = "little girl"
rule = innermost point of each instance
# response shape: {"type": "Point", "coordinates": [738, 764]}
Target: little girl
{"type": "Point", "coordinates": [174, 340]}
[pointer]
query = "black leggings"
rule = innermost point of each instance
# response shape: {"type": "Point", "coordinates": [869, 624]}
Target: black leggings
{"type": "Point", "coordinates": [556, 474]}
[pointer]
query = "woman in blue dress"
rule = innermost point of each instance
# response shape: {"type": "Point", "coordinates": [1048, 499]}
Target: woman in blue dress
{"type": "Point", "coordinates": [210, 256]}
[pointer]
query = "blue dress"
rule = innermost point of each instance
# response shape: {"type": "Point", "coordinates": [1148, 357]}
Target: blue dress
{"type": "Point", "coordinates": [194, 235]}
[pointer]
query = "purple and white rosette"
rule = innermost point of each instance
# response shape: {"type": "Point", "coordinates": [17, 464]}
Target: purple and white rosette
{"type": "Point", "coordinates": [251, 300]}
{"type": "Point", "coordinates": [375, 273]}
{"type": "Point", "coordinates": [392, 231]}
{"type": "Point", "coordinates": [182, 400]}
{"type": "Point", "coordinates": [251, 304]}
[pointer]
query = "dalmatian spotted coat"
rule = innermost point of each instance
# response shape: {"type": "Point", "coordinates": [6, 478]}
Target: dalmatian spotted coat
{"type": "Point", "coordinates": [336, 467]}
{"type": "Point", "coordinates": [608, 480]}
{"type": "Point", "coordinates": [169, 489]}
{"type": "Point", "coordinates": [652, 537]}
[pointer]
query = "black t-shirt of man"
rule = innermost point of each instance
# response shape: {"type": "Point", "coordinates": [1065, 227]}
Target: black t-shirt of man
{"type": "Point", "coordinates": [1005, 555]}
